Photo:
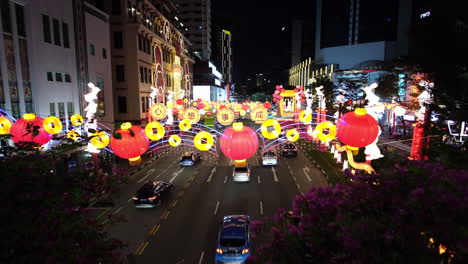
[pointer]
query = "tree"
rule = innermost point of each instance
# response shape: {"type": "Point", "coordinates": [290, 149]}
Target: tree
{"type": "Point", "coordinates": [402, 216]}
{"type": "Point", "coordinates": [260, 97]}
{"type": "Point", "coordinates": [45, 209]}
{"type": "Point", "coordinates": [388, 85]}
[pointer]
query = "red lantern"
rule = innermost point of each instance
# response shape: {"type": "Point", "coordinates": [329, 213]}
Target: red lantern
{"type": "Point", "coordinates": [180, 101]}
{"type": "Point", "coordinates": [267, 105]}
{"type": "Point", "coordinates": [222, 107]}
{"type": "Point", "coordinates": [199, 100]}
{"type": "Point", "coordinates": [245, 107]}
{"type": "Point", "coordinates": [201, 105]}
{"type": "Point", "coordinates": [132, 144]}
{"type": "Point", "coordinates": [23, 130]}
{"type": "Point", "coordinates": [357, 129]}
{"type": "Point", "coordinates": [239, 142]}
{"type": "Point", "coordinates": [175, 110]}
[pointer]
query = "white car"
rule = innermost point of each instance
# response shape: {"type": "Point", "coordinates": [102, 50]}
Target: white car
{"type": "Point", "coordinates": [269, 158]}
{"type": "Point", "coordinates": [241, 174]}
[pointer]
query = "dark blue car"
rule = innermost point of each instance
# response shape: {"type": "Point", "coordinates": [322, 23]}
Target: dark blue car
{"type": "Point", "coordinates": [234, 243]}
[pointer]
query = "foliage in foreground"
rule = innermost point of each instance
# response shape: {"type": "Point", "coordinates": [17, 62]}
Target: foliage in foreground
{"type": "Point", "coordinates": [46, 215]}
{"type": "Point", "coordinates": [388, 218]}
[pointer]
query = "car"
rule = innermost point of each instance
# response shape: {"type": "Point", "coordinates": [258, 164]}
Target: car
{"type": "Point", "coordinates": [234, 242]}
{"type": "Point", "coordinates": [152, 194]}
{"type": "Point", "coordinates": [282, 137]}
{"type": "Point", "coordinates": [241, 173]}
{"type": "Point", "coordinates": [269, 158]}
{"type": "Point", "coordinates": [288, 150]}
{"type": "Point", "coordinates": [190, 159]}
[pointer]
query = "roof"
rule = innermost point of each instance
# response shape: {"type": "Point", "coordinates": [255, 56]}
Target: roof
{"type": "Point", "coordinates": [234, 226]}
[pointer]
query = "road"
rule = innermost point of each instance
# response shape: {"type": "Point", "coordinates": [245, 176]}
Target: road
{"type": "Point", "coordinates": [184, 229]}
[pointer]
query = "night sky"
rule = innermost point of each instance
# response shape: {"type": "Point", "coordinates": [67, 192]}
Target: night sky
{"type": "Point", "coordinates": [258, 41]}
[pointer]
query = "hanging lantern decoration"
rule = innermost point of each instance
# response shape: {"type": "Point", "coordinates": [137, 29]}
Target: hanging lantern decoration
{"type": "Point", "coordinates": [76, 120]}
{"type": "Point", "coordinates": [5, 125]}
{"type": "Point", "coordinates": [357, 129]}
{"type": "Point", "coordinates": [201, 106]}
{"type": "Point", "coordinates": [203, 141]}
{"type": "Point", "coordinates": [131, 143]}
{"type": "Point", "coordinates": [100, 139]}
{"type": "Point", "coordinates": [242, 113]}
{"type": "Point", "coordinates": [185, 125]}
{"type": "Point", "coordinates": [292, 135]}
{"type": "Point", "coordinates": [222, 107]}
{"type": "Point", "coordinates": [305, 116]}
{"type": "Point", "coordinates": [73, 135]}
{"type": "Point", "coordinates": [271, 129]}
{"type": "Point", "coordinates": [52, 125]}
{"type": "Point", "coordinates": [331, 131]}
{"type": "Point", "coordinates": [30, 128]}
{"type": "Point", "coordinates": [239, 142]}
{"type": "Point", "coordinates": [245, 107]}
{"type": "Point", "coordinates": [180, 101]}
{"type": "Point", "coordinates": [199, 100]}
{"type": "Point", "coordinates": [174, 140]}
{"type": "Point", "coordinates": [154, 131]}
{"type": "Point", "coordinates": [175, 110]}
{"type": "Point", "coordinates": [267, 105]}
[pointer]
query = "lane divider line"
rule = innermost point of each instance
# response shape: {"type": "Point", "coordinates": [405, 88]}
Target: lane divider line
{"type": "Point", "coordinates": [274, 174]}
{"type": "Point", "coordinates": [201, 257]}
{"type": "Point", "coordinates": [261, 208]}
{"type": "Point", "coordinates": [225, 179]}
{"type": "Point", "coordinates": [131, 198]}
{"type": "Point", "coordinates": [298, 187]}
{"type": "Point", "coordinates": [144, 246]}
{"type": "Point", "coordinates": [101, 214]}
{"type": "Point", "coordinates": [167, 214]}
{"type": "Point", "coordinates": [138, 249]}
{"type": "Point", "coordinates": [147, 174]}
{"type": "Point", "coordinates": [155, 229]}
{"type": "Point", "coordinates": [175, 174]}
{"type": "Point", "coordinates": [174, 203]}
{"type": "Point", "coordinates": [211, 174]}
{"type": "Point", "coordinates": [294, 178]}
{"type": "Point", "coordinates": [165, 169]}
{"type": "Point", "coordinates": [216, 209]}
{"type": "Point", "coordinates": [259, 180]}
{"type": "Point", "coordinates": [118, 210]}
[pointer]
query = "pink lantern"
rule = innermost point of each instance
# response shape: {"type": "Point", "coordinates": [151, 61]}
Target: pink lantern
{"type": "Point", "coordinates": [239, 142]}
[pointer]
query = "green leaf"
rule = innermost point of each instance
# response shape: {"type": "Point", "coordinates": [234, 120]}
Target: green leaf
{"type": "Point", "coordinates": [117, 135]}
{"type": "Point", "coordinates": [131, 133]}
{"type": "Point", "coordinates": [90, 130]}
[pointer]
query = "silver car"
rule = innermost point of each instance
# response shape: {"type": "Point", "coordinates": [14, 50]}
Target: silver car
{"type": "Point", "coordinates": [241, 174]}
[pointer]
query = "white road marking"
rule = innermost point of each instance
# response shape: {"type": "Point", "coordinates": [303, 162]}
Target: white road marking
{"type": "Point", "coordinates": [261, 208]}
{"type": "Point", "coordinates": [131, 198]}
{"type": "Point", "coordinates": [118, 210]}
{"type": "Point", "coordinates": [259, 180]}
{"type": "Point", "coordinates": [225, 179]}
{"type": "Point", "coordinates": [294, 178]}
{"type": "Point", "coordinates": [216, 209]}
{"type": "Point", "coordinates": [298, 187]}
{"type": "Point", "coordinates": [175, 174]}
{"type": "Point", "coordinates": [274, 174]}
{"type": "Point", "coordinates": [201, 257]}
{"type": "Point", "coordinates": [211, 174]}
{"type": "Point", "coordinates": [257, 161]}
{"type": "Point", "coordinates": [306, 171]}
{"type": "Point", "coordinates": [165, 169]}
{"type": "Point", "coordinates": [147, 174]}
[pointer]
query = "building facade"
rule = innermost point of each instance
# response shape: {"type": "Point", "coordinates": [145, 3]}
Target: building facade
{"type": "Point", "coordinates": [306, 73]}
{"type": "Point", "coordinates": [147, 50]}
{"type": "Point", "coordinates": [226, 64]}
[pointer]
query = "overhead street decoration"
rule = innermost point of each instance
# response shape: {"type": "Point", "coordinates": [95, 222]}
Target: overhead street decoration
{"type": "Point", "coordinates": [158, 111]}
{"type": "Point", "coordinates": [225, 116]}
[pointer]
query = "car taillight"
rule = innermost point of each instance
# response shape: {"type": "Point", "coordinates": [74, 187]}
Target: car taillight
{"type": "Point", "coordinates": [244, 251]}
{"type": "Point", "coordinates": [152, 198]}
{"type": "Point", "coordinates": [135, 198]}
{"type": "Point", "coordinates": [220, 251]}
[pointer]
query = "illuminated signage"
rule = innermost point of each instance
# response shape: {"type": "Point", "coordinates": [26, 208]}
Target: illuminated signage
{"type": "Point", "coordinates": [423, 15]}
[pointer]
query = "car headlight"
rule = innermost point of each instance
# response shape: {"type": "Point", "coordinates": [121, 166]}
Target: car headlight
{"type": "Point", "coordinates": [220, 251]}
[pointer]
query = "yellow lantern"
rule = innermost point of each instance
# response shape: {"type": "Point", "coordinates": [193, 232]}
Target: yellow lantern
{"type": "Point", "coordinates": [174, 140]}
{"type": "Point", "coordinates": [52, 125]}
{"type": "Point", "coordinates": [76, 120]}
{"type": "Point", "coordinates": [242, 112]}
{"type": "Point", "coordinates": [151, 134]}
{"type": "Point", "coordinates": [185, 125]}
{"type": "Point", "coordinates": [292, 135]}
{"type": "Point", "coordinates": [331, 131]}
{"type": "Point", "coordinates": [5, 125]}
{"type": "Point", "coordinates": [203, 141]}
{"type": "Point", "coordinates": [100, 139]}
{"type": "Point", "coordinates": [271, 129]}
{"type": "Point", "coordinates": [305, 116]}
{"type": "Point", "coordinates": [73, 135]}
{"type": "Point", "coordinates": [185, 100]}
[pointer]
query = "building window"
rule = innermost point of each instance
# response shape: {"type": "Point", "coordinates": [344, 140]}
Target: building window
{"type": "Point", "coordinates": [67, 77]}
{"type": "Point", "coordinates": [140, 42]}
{"type": "Point", "coordinates": [66, 39]}
{"type": "Point", "coordinates": [116, 7]}
{"type": "Point", "coordinates": [6, 18]}
{"type": "Point", "coordinates": [101, 111]}
{"type": "Point", "coordinates": [70, 109]}
{"type": "Point", "coordinates": [56, 26]}
{"type": "Point", "coordinates": [58, 77]}
{"type": "Point", "coordinates": [50, 77]}
{"type": "Point", "coordinates": [120, 73]}
{"type": "Point", "coordinates": [142, 77]}
{"type": "Point", "coordinates": [20, 20]}
{"type": "Point", "coordinates": [104, 53]}
{"type": "Point", "coordinates": [143, 104]}
{"type": "Point", "coordinates": [46, 28]}
{"type": "Point", "coordinates": [118, 40]}
{"type": "Point", "coordinates": [61, 109]}
{"type": "Point", "coordinates": [122, 102]}
{"type": "Point", "coordinates": [91, 49]}
{"type": "Point", "coordinates": [52, 109]}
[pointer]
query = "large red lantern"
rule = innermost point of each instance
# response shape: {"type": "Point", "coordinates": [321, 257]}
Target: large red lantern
{"type": "Point", "coordinates": [267, 105]}
{"type": "Point", "coordinates": [357, 129]}
{"type": "Point", "coordinates": [131, 143]}
{"type": "Point", "coordinates": [239, 142]}
{"type": "Point", "coordinates": [30, 128]}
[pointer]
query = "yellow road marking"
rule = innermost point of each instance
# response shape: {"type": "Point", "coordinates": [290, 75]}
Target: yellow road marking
{"type": "Point", "coordinates": [180, 193]}
{"type": "Point", "coordinates": [144, 246]}
{"type": "Point", "coordinates": [186, 185]}
{"type": "Point", "coordinates": [174, 203]}
{"type": "Point", "coordinates": [138, 249]}
{"type": "Point", "coordinates": [101, 214]}
{"type": "Point", "coordinates": [164, 215]}
{"type": "Point", "coordinates": [155, 229]}
{"type": "Point", "coordinates": [167, 214]}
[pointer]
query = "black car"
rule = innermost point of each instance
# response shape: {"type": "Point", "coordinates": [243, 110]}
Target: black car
{"type": "Point", "coordinates": [151, 194]}
{"type": "Point", "coordinates": [288, 150]}
{"type": "Point", "coordinates": [190, 159]}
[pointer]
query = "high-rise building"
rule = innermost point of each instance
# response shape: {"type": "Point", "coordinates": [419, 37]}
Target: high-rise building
{"type": "Point", "coordinates": [302, 40]}
{"type": "Point", "coordinates": [196, 16]}
{"type": "Point", "coordinates": [147, 50]}
{"type": "Point", "coordinates": [360, 30]}
{"type": "Point", "coordinates": [226, 40]}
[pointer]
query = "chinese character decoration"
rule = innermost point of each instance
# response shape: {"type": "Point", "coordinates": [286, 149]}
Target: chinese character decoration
{"type": "Point", "coordinates": [192, 114]}
{"type": "Point", "coordinates": [225, 116]}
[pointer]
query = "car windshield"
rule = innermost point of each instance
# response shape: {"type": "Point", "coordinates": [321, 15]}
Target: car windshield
{"type": "Point", "coordinates": [240, 169]}
{"type": "Point", "coordinates": [146, 190]}
{"type": "Point", "coordinates": [269, 154]}
{"type": "Point", "coordinates": [232, 242]}
{"type": "Point", "coordinates": [186, 157]}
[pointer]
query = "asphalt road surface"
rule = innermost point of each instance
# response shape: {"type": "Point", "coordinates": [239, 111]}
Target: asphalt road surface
{"type": "Point", "coordinates": [184, 229]}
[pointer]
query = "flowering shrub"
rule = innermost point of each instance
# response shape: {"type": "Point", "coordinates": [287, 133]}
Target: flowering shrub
{"type": "Point", "coordinates": [401, 216]}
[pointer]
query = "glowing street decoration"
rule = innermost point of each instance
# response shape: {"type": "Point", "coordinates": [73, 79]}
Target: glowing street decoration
{"type": "Point", "coordinates": [5, 125]}
{"type": "Point", "coordinates": [225, 116]}
{"type": "Point", "coordinates": [76, 120]}
{"type": "Point", "coordinates": [158, 111]}
{"type": "Point", "coordinates": [292, 135]}
{"type": "Point", "coordinates": [90, 110]}
{"type": "Point", "coordinates": [373, 108]}
{"type": "Point", "coordinates": [170, 104]}
{"type": "Point", "coordinates": [73, 135]}
{"type": "Point", "coordinates": [192, 114]}
{"type": "Point", "coordinates": [174, 140]}
{"type": "Point", "coordinates": [152, 134]}
{"type": "Point", "coordinates": [203, 141]}
{"type": "Point", "coordinates": [100, 139]}
{"type": "Point", "coordinates": [185, 125]}
{"type": "Point", "coordinates": [305, 116]}
{"type": "Point", "coordinates": [331, 131]}
{"type": "Point", "coordinates": [270, 129]}
{"type": "Point", "coordinates": [52, 125]}
{"type": "Point", "coordinates": [259, 114]}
